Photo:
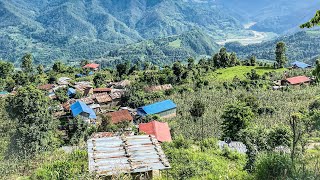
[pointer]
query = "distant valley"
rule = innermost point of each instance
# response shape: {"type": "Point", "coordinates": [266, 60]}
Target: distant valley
{"type": "Point", "coordinates": [138, 30]}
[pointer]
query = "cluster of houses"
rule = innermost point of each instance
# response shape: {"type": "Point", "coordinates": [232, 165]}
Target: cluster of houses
{"type": "Point", "coordinates": [111, 154]}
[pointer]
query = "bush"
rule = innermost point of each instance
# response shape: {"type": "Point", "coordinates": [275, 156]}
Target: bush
{"type": "Point", "coordinates": [273, 166]}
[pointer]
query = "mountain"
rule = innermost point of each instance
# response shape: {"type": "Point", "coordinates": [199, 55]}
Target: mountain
{"type": "Point", "coordinates": [279, 16]}
{"type": "Point", "coordinates": [91, 29]}
{"type": "Point", "coordinates": [62, 29]}
{"type": "Point", "coordinates": [301, 46]}
{"type": "Point", "coordinates": [163, 51]}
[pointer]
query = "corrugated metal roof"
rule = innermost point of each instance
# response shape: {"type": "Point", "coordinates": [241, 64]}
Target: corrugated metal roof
{"type": "Point", "coordinates": [79, 107]}
{"type": "Point", "coordinates": [234, 145]}
{"type": "Point", "coordinates": [298, 80]}
{"type": "Point", "coordinates": [119, 116]}
{"type": "Point", "coordinates": [102, 90]}
{"type": "Point", "coordinates": [92, 65]}
{"type": "Point", "coordinates": [132, 154]}
{"type": "Point", "coordinates": [300, 64]}
{"type": "Point", "coordinates": [160, 130]}
{"type": "Point", "coordinates": [71, 91]}
{"type": "Point", "coordinates": [156, 108]}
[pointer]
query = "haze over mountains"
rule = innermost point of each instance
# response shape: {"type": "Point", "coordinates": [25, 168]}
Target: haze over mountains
{"type": "Point", "coordinates": [89, 29]}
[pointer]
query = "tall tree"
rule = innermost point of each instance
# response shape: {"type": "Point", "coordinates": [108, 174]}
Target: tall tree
{"type": "Point", "coordinates": [40, 69]}
{"type": "Point", "coordinates": [313, 22]}
{"type": "Point", "coordinates": [233, 59]}
{"type": "Point", "coordinates": [253, 60]}
{"type": "Point", "coordinates": [280, 52]}
{"type": "Point", "coordinates": [316, 71]}
{"type": "Point", "coordinates": [36, 126]}
{"type": "Point", "coordinates": [224, 57]}
{"type": "Point", "coordinates": [26, 64]}
{"type": "Point", "coordinates": [197, 110]}
{"type": "Point", "coordinates": [236, 117]}
{"type": "Point", "coordinates": [6, 69]}
{"type": "Point", "coordinates": [177, 70]}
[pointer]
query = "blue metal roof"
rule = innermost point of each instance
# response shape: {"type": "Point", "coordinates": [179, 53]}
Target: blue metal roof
{"type": "Point", "coordinates": [91, 73]}
{"type": "Point", "coordinates": [156, 108]}
{"type": "Point", "coordinates": [300, 64]}
{"type": "Point", "coordinates": [4, 92]}
{"type": "Point", "coordinates": [80, 107]}
{"type": "Point", "coordinates": [71, 92]}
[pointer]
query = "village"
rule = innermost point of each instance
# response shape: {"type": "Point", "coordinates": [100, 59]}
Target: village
{"type": "Point", "coordinates": [125, 125]}
{"type": "Point", "coordinates": [125, 150]}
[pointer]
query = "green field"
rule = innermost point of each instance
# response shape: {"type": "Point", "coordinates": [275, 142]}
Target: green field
{"type": "Point", "coordinates": [229, 73]}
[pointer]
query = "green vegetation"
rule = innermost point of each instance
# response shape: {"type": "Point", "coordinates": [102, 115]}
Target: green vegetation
{"type": "Point", "coordinates": [221, 97]}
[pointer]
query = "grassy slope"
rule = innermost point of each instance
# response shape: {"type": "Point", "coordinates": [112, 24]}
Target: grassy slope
{"type": "Point", "coordinates": [239, 71]}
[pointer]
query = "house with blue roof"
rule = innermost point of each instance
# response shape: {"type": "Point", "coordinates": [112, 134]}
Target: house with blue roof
{"type": "Point", "coordinates": [165, 109]}
{"type": "Point", "coordinates": [71, 92]}
{"type": "Point", "coordinates": [300, 65]}
{"type": "Point", "coordinates": [80, 108]}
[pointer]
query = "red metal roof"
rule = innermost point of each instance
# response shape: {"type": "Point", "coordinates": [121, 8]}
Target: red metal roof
{"type": "Point", "coordinates": [298, 80]}
{"type": "Point", "coordinates": [92, 66]}
{"type": "Point", "coordinates": [119, 116]}
{"type": "Point", "coordinates": [160, 130]}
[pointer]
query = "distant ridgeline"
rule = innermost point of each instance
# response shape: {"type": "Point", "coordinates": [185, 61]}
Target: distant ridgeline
{"type": "Point", "coordinates": [301, 46]}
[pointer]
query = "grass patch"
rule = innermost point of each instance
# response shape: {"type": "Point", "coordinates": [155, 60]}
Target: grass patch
{"type": "Point", "coordinates": [229, 73]}
{"type": "Point", "coordinates": [175, 44]}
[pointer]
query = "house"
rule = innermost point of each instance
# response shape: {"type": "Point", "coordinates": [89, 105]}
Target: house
{"type": "Point", "coordinates": [71, 92]}
{"type": "Point", "coordinates": [102, 90]}
{"type": "Point", "coordinates": [120, 116]}
{"type": "Point", "coordinates": [158, 88]}
{"type": "Point", "coordinates": [120, 85]}
{"type": "Point", "coordinates": [298, 80]}
{"type": "Point", "coordinates": [234, 146]}
{"type": "Point", "coordinates": [160, 130]}
{"type": "Point", "coordinates": [165, 109]}
{"type": "Point", "coordinates": [95, 107]}
{"type": "Point", "coordinates": [102, 98]}
{"type": "Point", "coordinates": [63, 81]}
{"type": "Point", "coordinates": [47, 87]}
{"type": "Point", "coordinates": [92, 66]}
{"type": "Point", "coordinates": [88, 91]}
{"type": "Point", "coordinates": [116, 97]}
{"type": "Point", "coordinates": [135, 155]}
{"type": "Point", "coordinates": [300, 65]}
{"type": "Point", "coordinates": [80, 108]}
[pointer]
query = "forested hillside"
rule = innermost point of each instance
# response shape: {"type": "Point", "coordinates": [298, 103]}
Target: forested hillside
{"type": "Point", "coordinates": [76, 30]}
{"type": "Point", "coordinates": [301, 46]}
{"type": "Point", "coordinates": [89, 29]}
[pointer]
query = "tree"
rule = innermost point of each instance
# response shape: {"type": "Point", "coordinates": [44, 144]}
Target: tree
{"type": "Point", "coordinates": [6, 69]}
{"type": "Point", "coordinates": [123, 69]}
{"type": "Point", "coordinates": [58, 67]}
{"type": "Point", "coordinates": [253, 60]}
{"type": "Point", "coordinates": [224, 57]}
{"type": "Point", "coordinates": [316, 71]}
{"type": "Point", "coordinates": [236, 117]}
{"type": "Point", "coordinates": [190, 63]}
{"type": "Point", "coordinates": [197, 110]}
{"type": "Point", "coordinates": [36, 126]}
{"type": "Point", "coordinates": [99, 79]}
{"type": "Point", "coordinates": [61, 94]}
{"type": "Point", "coordinates": [315, 21]}
{"type": "Point", "coordinates": [26, 65]}
{"type": "Point", "coordinates": [177, 70]}
{"type": "Point", "coordinates": [280, 52]}
{"type": "Point", "coordinates": [233, 59]}
{"type": "Point", "coordinates": [84, 62]}
{"type": "Point", "coordinates": [40, 69]}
